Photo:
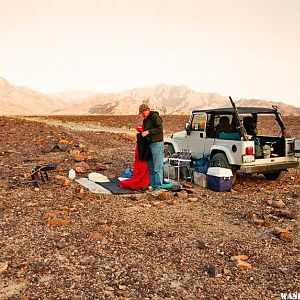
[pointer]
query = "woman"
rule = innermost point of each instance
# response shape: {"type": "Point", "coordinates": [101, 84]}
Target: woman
{"type": "Point", "coordinates": [140, 179]}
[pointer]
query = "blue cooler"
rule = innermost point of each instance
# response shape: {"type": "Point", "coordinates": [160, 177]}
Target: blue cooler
{"type": "Point", "coordinates": [219, 179]}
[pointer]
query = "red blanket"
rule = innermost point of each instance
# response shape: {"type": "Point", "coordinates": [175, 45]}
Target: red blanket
{"type": "Point", "coordinates": [141, 175]}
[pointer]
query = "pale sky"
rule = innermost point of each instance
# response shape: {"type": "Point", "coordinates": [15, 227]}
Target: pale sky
{"type": "Point", "coordinates": [243, 48]}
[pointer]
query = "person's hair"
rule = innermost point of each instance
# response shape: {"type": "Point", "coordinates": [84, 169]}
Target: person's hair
{"type": "Point", "coordinates": [143, 107]}
{"type": "Point", "coordinates": [224, 120]}
{"type": "Point", "coordinates": [249, 125]}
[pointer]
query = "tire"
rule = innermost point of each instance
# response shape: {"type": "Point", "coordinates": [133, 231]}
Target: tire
{"type": "Point", "coordinates": [168, 150]}
{"type": "Point", "coordinates": [276, 175]}
{"type": "Point", "coordinates": [220, 160]}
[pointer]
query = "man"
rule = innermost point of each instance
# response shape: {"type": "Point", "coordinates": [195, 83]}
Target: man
{"type": "Point", "coordinates": [153, 131]}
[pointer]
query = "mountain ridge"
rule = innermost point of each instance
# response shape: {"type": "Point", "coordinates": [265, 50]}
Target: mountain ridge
{"type": "Point", "coordinates": [167, 99]}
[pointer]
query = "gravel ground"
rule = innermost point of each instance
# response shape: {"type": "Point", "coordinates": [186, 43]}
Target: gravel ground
{"type": "Point", "coordinates": [60, 241]}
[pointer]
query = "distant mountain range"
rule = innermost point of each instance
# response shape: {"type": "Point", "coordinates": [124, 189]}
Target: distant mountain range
{"type": "Point", "coordinates": [165, 98]}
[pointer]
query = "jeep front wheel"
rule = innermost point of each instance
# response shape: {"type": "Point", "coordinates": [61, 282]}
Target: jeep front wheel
{"type": "Point", "coordinates": [220, 160]}
{"type": "Point", "coordinates": [168, 150]}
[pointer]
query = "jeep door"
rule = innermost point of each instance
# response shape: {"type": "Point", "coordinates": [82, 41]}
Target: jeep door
{"type": "Point", "coordinates": [196, 138]}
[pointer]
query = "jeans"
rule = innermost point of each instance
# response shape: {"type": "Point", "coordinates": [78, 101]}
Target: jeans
{"type": "Point", "coordinates": [156, 164]}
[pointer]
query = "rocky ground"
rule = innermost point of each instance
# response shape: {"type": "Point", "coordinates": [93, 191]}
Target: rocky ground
{"type": "Point", "coordinates": [60, 241]}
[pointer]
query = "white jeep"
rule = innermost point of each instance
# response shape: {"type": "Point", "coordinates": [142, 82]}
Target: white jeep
{"type": "Point", "coordinates": [215, 131]}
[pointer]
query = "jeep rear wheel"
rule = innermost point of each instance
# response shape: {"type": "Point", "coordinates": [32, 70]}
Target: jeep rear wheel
{"type": "Point", "coordinates": [220, 160]}
{"type": "Point", "coordinates": [276, 175]}
{"type": "Point", "coordinates": [168, 150]}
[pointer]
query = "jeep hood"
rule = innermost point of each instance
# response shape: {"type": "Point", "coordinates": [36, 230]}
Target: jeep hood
{"type": "Point", "coordinates": [179, 135]}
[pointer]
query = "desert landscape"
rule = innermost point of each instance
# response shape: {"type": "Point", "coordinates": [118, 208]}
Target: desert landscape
{"type": "Point", "coordinates": [60, 241]}
{"type": "Point", "coordinates": [167, 99]}
{"type": "Point", "coordinates": [74, 76]}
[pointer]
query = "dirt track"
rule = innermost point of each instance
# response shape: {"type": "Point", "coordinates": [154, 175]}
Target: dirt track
{"type": "Point", "coordinates": [61, 242]}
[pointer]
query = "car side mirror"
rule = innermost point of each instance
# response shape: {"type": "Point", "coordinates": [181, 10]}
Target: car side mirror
{"type": "Point", "coordinates": [188, 128]}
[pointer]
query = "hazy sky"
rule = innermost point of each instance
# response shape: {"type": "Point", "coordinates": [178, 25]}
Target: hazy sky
{"type": "Point", "coordinates": [242, 48]}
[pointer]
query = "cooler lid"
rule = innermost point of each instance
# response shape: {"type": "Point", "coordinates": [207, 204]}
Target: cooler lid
{"type": "Point", "coordinates": [219, 172]}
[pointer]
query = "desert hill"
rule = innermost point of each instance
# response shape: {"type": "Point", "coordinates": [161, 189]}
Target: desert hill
{"type": "Point", "coordinates": [167, 99]}
{"type": "Point", "coordinates": [16, 100]}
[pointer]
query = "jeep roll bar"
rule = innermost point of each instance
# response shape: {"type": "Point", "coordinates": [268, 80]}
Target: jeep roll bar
{"type": "Point", "coordinates": [240, 126]}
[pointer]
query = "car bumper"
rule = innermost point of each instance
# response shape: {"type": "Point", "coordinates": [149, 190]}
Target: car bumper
{"type": "Point", "coordinates": [268, 168]}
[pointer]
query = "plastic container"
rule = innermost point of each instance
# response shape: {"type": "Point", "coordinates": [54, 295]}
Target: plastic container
{"type": "Point", "coordinates": [219, 179]}
{"type": "Point", "coordinates": [200, 179]}
{"type": "Point", "coordinates": [72, 174]}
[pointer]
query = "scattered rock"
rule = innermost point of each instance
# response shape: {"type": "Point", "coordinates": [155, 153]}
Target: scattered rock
{"type": "Point", "coordinates": [108, 161]}
{"type": "Point", "coordinates": [79, 170]}
{"type": "Point", "coordinates": [127, 137]}
{"type": "Point", "coordinates": [56, 222]}
{"type": "Point", "coordinates": [200, 244]}
{"type": "Point", "coordinates": [39, 268]}
{"type": "Point", "coordinates": [243, 265]}
{"type": "Point", "coordinates": [212, 271]}
{"type": "Point", "coordinates": [135, 197]}
{"type": "Point", "coordinates": [165, 196]}
{"type": "Point", "coordinates": [158, 204]}
{"type": "Point", "coordinates": [74, 152]}
{"type": "Point", "coordinates": [266, 222]}
{"type": "Point", "coordinates": [82, 167]}
{"type": "Point", "coordinates": [279, 230]}
{"type": "Point", "coordinates": [59, 148]}
{"type": "Point", "coordinates": [182, 194]}
{"type": "Point", "coordinates": [287, 237]}
{"type": "Point", "coordinates": [67, 181]}
{"type": "Point", "coordinates": [79, 192]}
{"type": "Point", "coordinates": [96, 236]}
{"type": "Point", "coordinates": [101, 167]}
{"type": "Point", "coordinates": [269, 202]}
{"type": "Point", "coordinates": [278, 204]}
{"type": "Point", "coordinates": [46, 149]}
{"type": "Point", "coordinates": [170, 202]}
{"type": "Point", "coordinates": [226, 271]}
{"type": "Point", "coordinates": [65, 142]}
{"type": "Point", "coordinates": [48, 215]}
{"type": "Point", "coordinates": [79, 157]}
{"type": "Point", "coordinates": [60, 245]}
{"type": "Point", "coordinates": [193, 199]}
{"type": "Point", "coordinates": [284, 233]}
{"type": "Point", "coordinates": [284, 213]}
{"type": "Point", "coordinates": [102, 222]}
{"type": "Point", "coordinates": [240, 257]}
{"type": "Point", "coordinates": [297, 193]}
{"type": "Point", "coordinates": [3, 266]}
{"type": "Point", "coordinates": [105, 228]}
